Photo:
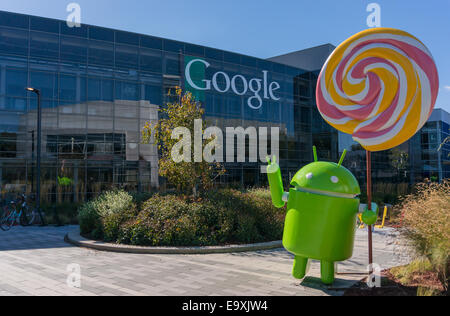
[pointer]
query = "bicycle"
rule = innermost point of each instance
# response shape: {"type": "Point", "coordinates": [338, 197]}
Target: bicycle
{"type": "Point", "coordinates": [12, 215]}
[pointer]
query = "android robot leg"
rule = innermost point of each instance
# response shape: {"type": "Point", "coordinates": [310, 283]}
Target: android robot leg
{"type": "Point", "coordinates": [300, 267]}
{"type": "Point", "coordinates": [327, 272]}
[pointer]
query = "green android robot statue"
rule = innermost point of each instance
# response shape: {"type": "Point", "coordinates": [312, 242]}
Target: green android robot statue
{"type": "Point", "coordinates": [322, 209]}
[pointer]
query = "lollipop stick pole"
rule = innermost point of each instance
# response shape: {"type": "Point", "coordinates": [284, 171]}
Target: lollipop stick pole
{"type": "Point", "coordinates": [369, 202]}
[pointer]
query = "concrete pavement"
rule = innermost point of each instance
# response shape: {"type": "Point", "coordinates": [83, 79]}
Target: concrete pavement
{"type": "Point", "coordinates": [37, 261]}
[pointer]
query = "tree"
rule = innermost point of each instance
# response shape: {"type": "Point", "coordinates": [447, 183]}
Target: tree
{"type": "Point", "coordinates": [186, 176]}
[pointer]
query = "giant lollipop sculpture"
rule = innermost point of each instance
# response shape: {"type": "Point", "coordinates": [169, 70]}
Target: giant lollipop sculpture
{"type": "Point", "coordinates": [380, 86]}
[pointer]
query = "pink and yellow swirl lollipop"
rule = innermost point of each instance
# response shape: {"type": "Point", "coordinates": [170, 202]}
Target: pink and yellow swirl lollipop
{"type": "Point", "coordinates": [380, 86]}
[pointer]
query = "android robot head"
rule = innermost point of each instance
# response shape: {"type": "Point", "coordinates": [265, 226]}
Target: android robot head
{"type": "Point", "coordinates": [327, 179]}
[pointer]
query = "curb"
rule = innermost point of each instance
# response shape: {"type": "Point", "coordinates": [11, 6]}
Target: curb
{"type": "Point", "coordinates": [76, 239]}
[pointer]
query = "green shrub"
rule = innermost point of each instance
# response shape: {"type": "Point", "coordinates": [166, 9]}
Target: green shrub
{"type": "Point", "coordinates": [90, 220]}
{"type": "Point", "coordinates": [221, 217]}
{"type": "Point", "coordinates": [65, 213]}
{"type": "Point", "coordinates": [426, 219]}
{"type": "Point", "coordinates": [101, 218]}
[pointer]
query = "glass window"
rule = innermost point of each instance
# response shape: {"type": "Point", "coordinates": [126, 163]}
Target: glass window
{"type": "Point", "coordinates": [81, 31]}
{"type": "Point", "coordinates": [273, 111]}
{"type": "Point", "coordinates": [153, 94]}
{"type": "Point", "coordinates": [127, 91]}
{"type": "Point", "coordinates": [127, 38]}
{"type": "Point", "coordinates": [16, 176]}
{"type": "Point", "coordinates": [234, 105]}
{"type": "Point", "coordinates": [305, 76]}
{"type": "Point", "coordinates": [83, 88]}
{"type": "Point", "coordinates": [248, 61]}
{"type": "Point", "coordinates": [100, 89]}
{"type": "Point", "coordinates": [16, 104]}
{"type": "Point", "coordinates": [305, 115]}
{"type": "Point", "coordinates": [231, 58]}
{"type": "Point", "coordinates": [45, 104]}
{"type": "Point", "coordinates": [14, 20]}
{"type": "Point", "coordinates": [172, 64]}
{"type": "Point", "coordinates": [14, 42]}
{"type": "Point", "coordinates": [74, 49]}
{"type": "Point", "coordinates": [151, 78]}
{"type": "Point", "coordinates": [214, 54]}
{"type": "Point", "coordinates": [264, 64]}
{"type": "Point", "coordinates": [305, 90]}
{"type": "Point", "coordinates": [107, 90]}
{"type": "Point", "coordinates": [262, 112]}
{"type": "Point", "coordinates": [195, 50]}
{"type": "Point", "coordinates": [126, 74]}
{"type": "Point", "coordinates": [219, 105]}
{"type": "Point", "coordinates": [11, 122]}
{"type": "Point", "coordinates": [209, 104]}
{"type": "Point", "coordinates": [44, 45]}
{"type": "Point", "coordinates": [44, 25]}
{"type": "Point", "coordinates": [71, 107]}
{"type": "Point", "coordinates": [279, 68]}
{"type": "Point", "coordinates": [16, 82]}
{"type": "Point", "coordinates": [151, 60]}
{"type": "Point", "coordinates": [172, 46]}
{"type": "Point", "coordinates": [294, 72]}
{"type": "Point", "coordinates": [8, 145]}
{"type": "Point", "coordinates": [127, 56]}
{"type": "Point", "coordinates": [94, 89]}
{"type": "Point", "coordinates": [46, 82]}
{"type": "Point", "coordinates": [101, 53]}
{"type": "Point", "coordinates": [151, 42]}
{"type": "Point", "coordinates": [68, 88]}
{"type": "Point", "coordinates": [100, 33]}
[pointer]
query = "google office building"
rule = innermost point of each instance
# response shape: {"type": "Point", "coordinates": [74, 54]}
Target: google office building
{"type": "Point", "coordinates": [100, 86]}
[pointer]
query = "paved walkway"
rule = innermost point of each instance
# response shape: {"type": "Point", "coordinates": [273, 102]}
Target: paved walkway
{"type": "Point", "coordinates": [36, 261]}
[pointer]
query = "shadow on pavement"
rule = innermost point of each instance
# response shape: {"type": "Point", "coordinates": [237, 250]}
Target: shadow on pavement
{"type": "Point", "coordinates": [338, 288]}
{"type": "Point", "coordinates": [31, 238]}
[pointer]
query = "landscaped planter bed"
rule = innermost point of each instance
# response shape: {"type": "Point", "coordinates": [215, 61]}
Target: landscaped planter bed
{"type": "Point", "coordinates": [218, 218]}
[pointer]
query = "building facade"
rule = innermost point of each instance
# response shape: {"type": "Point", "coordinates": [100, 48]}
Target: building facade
{"type": "Point", "coordinates": [429, 159]}
{"type": "Point", "coordinates": [100, 86]}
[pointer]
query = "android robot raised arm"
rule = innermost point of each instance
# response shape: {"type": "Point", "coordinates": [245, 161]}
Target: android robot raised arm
{"type": "Point", "coordinates": [322, 208]}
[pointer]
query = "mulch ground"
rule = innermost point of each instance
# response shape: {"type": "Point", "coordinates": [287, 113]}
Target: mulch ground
{"type": "Point", "coordinates": [392, 287]}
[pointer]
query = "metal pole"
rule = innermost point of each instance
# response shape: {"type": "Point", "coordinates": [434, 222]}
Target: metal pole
{"type": "Point", "coordinates": [38, 153]}
{"type": "Point", "coordinates": [369, 202]}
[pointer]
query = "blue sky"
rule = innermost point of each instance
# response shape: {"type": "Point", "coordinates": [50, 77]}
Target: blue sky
{"type": "Point", "coordinates": [262, 28]}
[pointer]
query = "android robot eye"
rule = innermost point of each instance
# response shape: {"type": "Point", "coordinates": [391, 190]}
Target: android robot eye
{"type": "Point", "coordinates": [334, 179]}
{"type": "Point", "coordinates": [309, 176]}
